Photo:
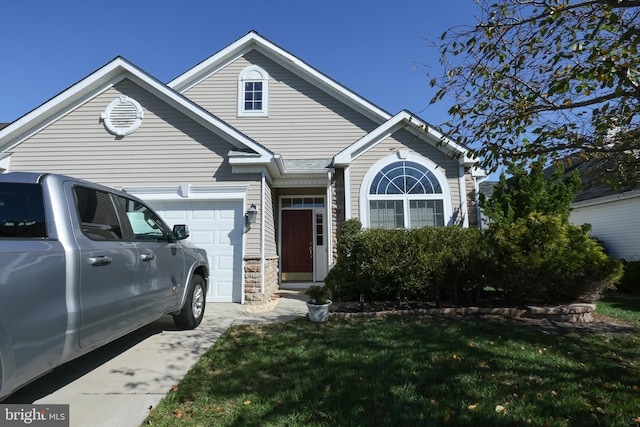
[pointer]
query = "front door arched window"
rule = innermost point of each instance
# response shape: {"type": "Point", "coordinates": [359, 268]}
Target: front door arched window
{"type": "Point", "coordinates": [405, 194]}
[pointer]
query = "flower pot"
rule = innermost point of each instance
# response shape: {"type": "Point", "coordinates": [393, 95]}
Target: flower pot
{"type": "Point", "coordinates": [318, 312]}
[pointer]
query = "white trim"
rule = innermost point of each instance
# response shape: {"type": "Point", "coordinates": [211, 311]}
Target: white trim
{"type": "Point", "coordinates": [347, 192]}
{"type": "Point", "coordinates": [464, 211]}
{"type": "Point", "coordinates": [606, 199]}
{"type": "Point", "coordinates": [403, 119]}
{"type": "Point", "coordinates": [5, 163]}
{"type": "Point", "coordinates": [244, 77]}
{"type": "Point", "coordinates": [445, 196]}
{"type": "Point", "coordinates": [190, 192]}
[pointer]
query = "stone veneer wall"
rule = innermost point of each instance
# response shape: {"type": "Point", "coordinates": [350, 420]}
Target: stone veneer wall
{"type": "Point", "coordinates": [252, 276]}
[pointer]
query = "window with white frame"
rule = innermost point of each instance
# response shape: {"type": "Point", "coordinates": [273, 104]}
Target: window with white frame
{"type": "Point", "coordinates": [405, 194]}
{"type": "Point", "coordinates": [253, 92]}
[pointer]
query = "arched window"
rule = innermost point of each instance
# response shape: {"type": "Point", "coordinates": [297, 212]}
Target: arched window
{"type": "Point", "coordinates": [405, 194]}
{"type": "Point", "coordinates": [253, 92]}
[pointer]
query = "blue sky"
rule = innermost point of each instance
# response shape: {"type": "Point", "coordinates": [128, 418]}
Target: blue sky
{"type": "Point", "coordinates": [375, 48]}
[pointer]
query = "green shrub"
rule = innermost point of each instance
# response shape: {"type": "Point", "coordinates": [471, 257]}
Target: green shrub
{"type": "Point", "coordinates": [421, 264]}
{"type": "Point", "coordinates": [341, 278]}
{"type": "Point", "coordinates": [466, 264]}
{"type": "Point", "coordinates": [544, 259]}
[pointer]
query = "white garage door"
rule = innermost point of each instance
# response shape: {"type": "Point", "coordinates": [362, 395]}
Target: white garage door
{"type": "Point", "coordinates": [217, 227]}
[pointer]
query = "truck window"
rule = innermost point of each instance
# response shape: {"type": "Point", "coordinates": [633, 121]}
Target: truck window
{"type": "Point", "coordinates": [146, 225]}
{"type": "Point", "coordinates": [22, 210]}
{"type": "Point", "coordinates": [97, 214]}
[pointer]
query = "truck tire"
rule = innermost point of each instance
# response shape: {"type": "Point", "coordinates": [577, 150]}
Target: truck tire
{"type": "Point", "coordinates": [192, 312]}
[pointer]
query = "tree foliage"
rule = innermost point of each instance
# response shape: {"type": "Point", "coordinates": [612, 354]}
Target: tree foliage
{"type": "Point", "coordinates": [531, 191]}
{"type": "Point", "coordinates": [539, 256]}
{"type": "Point", "coordinates": [547, 77]}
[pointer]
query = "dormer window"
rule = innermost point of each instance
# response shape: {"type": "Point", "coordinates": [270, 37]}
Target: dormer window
{"type": "Point", "coordinates": [253, 92]}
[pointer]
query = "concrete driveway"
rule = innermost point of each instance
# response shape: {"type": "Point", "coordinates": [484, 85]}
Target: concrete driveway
{"type": "Point", "coordinates": [117, 384]}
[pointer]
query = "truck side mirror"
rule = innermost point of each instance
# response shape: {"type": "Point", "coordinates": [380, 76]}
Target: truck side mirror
{"type": "Point", "coordinates": [180, 232]}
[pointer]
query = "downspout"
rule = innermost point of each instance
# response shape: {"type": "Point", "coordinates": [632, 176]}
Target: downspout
{"type": "Point", "coordinates": [463, 198]}
{"type": "Point", "coordinates": [262, 233]}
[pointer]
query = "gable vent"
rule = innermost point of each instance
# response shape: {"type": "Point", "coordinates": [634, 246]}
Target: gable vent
{"type": "Point", "coordinates": [122, 116]}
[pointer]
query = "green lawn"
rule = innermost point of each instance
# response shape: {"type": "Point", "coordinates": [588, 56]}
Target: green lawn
{"type": "Point", "coordinates": [409, 371]}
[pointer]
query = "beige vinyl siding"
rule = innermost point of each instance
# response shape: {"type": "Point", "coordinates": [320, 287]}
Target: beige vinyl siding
{"type": "Point", "coordinates": [303, 123]}
{"type": "Point", "coordinates": [402, 140]}
{"type": "Point", "coordinates": [269, 222]}
{"type": "Point", "coordinates": [167, 148]}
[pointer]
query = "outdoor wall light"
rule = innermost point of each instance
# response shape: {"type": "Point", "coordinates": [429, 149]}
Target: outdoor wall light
{"type": "Point", "coordinates": [251, 215]}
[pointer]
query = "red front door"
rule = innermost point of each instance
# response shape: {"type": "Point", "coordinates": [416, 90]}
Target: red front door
{"type": "Point", "coordinates": [297, 245]}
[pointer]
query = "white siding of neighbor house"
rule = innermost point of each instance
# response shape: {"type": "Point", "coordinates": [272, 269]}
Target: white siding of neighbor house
{"type": "Point", "coordinates": [303, 123]}
{"type": "Point", "coordinates": [615, 223]}
{"type": "Point", "coordinates": [167, 149]}
{"type": "Point", "coordinates": [403, 140]}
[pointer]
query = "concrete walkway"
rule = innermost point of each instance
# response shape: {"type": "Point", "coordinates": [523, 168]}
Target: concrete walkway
{"type": "Point", "coordinates": [118, 383]}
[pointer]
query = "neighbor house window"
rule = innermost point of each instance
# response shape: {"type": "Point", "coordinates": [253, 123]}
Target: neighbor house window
{"type": "Point", "coordinates": [253, 92]}
{"type": "Point", "coordinates": [405, 194]}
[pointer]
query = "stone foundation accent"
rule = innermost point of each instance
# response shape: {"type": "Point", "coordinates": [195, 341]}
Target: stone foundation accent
{"type": "Point", "coordinates": [252, 277]}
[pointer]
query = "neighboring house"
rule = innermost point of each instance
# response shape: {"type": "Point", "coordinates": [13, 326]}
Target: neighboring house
{"type": "Point", "coordinates": [612, 213]}
{"type": "Point", "coordinates": [250, 128]}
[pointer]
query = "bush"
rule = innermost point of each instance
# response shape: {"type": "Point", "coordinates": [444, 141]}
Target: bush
{"type": "Point", "coordinates": [544, 259]}
{"type": "Point", "coordinates": [420, 264]}
{"type": "Point", "coordinates": [341, 278]}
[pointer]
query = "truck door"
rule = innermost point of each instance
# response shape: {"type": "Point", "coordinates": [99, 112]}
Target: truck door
{"type": "Point", "coordinates": [162, 271]}
{"type": "Point", "coordinates": [110, 295]}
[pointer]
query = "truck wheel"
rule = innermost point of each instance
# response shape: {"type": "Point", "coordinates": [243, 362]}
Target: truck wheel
{"type": "Point", "coordinates": [193, 310]}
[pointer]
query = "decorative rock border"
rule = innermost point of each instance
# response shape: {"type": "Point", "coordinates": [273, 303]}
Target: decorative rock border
{"type": "Point", "coordinates": [572, 313]}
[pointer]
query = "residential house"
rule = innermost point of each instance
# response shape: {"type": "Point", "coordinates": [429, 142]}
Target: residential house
{"type": "Point", "coordinates": [251, 128]}
{"type": "Point", "coordinates": [612, 213]}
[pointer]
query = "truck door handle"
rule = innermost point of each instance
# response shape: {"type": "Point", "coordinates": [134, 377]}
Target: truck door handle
{"type": "Point", "coordinates": [100, 260]}
{"type": "Point", "coordinates": [147, 257]}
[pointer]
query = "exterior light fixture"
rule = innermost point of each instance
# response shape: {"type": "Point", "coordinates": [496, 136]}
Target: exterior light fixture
{"type": "Point", "coordinates": [251, 215]}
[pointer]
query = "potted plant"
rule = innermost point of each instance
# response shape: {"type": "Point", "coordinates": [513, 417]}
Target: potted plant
{"type": "Point", "coordinates": [319, 304]}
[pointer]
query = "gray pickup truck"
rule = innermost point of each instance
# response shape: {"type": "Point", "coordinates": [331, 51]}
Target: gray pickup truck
{"type": "Point", "coordinates": [81, 265]}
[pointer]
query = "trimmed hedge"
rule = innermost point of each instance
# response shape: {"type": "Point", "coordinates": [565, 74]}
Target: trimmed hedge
{"type": "Point", "coordinates": [541, 259]}
{"type": "Point", "coordinates": [418, 264]}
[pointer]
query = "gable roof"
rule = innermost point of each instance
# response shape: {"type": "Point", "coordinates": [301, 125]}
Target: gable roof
{"type": "Point", "coordinates": [593, 185]}
{"type": "Point", "coordinates": [405, 120]}
{"type": "Point", "coordinates": [254, 41]}
{"type": "Point", "coordinates": [107, 76]}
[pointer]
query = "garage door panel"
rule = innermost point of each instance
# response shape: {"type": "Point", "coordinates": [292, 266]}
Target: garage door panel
{"type": "Point", "coordinates": [215, 226]}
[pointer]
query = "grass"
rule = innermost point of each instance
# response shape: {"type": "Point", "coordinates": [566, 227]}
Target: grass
{"type": "Point", "coordinates": [620, 306]}
{"type": "Point", "coordinates": [410, 371]}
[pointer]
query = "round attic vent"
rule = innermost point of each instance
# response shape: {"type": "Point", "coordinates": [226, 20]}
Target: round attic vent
{"type": "Point", "coordinates": [122, 116]}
